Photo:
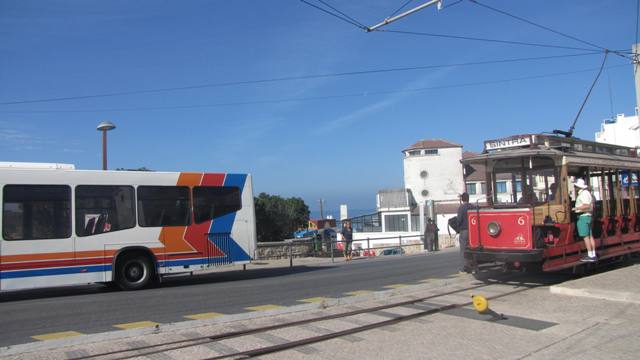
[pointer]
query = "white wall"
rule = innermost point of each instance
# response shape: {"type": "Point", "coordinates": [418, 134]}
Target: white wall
{"type": "Point", "coordinates": [444, 179]}
{"type": "Point", "coordinates": [625, 131]}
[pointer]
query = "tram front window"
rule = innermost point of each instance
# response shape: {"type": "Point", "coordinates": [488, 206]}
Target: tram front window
{"type": "Point", "coordinates": [525, 181]}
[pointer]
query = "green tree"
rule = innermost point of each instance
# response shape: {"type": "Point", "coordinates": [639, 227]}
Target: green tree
{"type": "Point", "coordinates": [277, 218]}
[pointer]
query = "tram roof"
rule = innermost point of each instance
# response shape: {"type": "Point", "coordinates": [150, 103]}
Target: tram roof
{"type": "Point", "coordinates": [577, 151]}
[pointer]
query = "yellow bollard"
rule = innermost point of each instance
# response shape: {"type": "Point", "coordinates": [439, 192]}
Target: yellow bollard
{"type": "Point", "coordinates": [481, 304]}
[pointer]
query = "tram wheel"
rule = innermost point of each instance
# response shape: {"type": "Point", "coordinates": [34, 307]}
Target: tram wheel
{"type": "Point", "coordinates": [134, 272]}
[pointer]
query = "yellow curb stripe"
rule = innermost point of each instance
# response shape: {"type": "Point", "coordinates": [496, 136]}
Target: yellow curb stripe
{"type": "Point", "coordinates": [58, 335]}
{"type": "Point", "coordinates": [428, 280]}
{"type": "Point", "coordinates": [209, 315]}
{"type": "Point", "coordinates": [395, 286]}
{"type": "Point", "coordinates": [137, 325]}
{"type": "Point", "coordinates": [264, 307]}
{"type": "Point", "coordinates": [315, 299]}
{"type": "Point", "coordinates": [359, 292]}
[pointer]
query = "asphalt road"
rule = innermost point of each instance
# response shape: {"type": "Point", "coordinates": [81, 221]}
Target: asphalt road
{"type": "Point", "coordinates": [97, 308]}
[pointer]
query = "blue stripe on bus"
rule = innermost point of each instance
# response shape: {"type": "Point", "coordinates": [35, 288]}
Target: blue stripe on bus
{"type": "Point", "coordinates": [55, 271]}
{"type": "Point", "coordinates": [224, 224]}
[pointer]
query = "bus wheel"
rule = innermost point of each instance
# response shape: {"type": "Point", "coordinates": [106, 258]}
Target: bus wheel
{"type": "Point", "coordinates": [134, 272]}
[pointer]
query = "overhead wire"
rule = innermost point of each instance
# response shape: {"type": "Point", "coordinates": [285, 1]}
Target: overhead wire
{"type": "Point", "coordinates": [334, 15]}
{"type": "Point", "coordinates": [544, 27]}
{"type": "Point", "coordinates": [342, 13]}
{"type": "Point", "coordinates": [292, 78]}
{"type": "Point", "coordinates": [316, 98]}
{"type": "Point", "coordinates": [400, 8]}
{"type": "Point", "coordinates": [484, 39]}
{"type": "Point", "coordinates": [354, 23]}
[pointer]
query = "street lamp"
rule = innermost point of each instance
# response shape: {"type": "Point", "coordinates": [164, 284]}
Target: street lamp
{"type": "Point", "coordinates": [104, 127]}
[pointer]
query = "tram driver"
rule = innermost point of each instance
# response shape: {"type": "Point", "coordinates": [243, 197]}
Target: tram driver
{"type": "Point", "coordinates": [528, 196]}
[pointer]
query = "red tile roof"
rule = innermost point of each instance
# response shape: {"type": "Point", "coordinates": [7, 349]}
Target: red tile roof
{"type": "Point", "coordinates": [432, 144]}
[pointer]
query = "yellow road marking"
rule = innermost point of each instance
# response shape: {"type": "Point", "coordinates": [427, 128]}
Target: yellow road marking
{"type": "Point", "coordinates": [208, 315]}
{"type": "Point", "coordinates": [58, 335]}
{"type": "Point", "coordinates": [314, 299]}
{"type": "Point", "coordinates": [427, 280]}
{"type": "Point", "coordinates": [137, 325]}
{"type": "Point", "coordinates": [395, 286]}
{"type": "Point", "coordinates": [264, 307]}
{"type": "Point", "coordinates": [359, 292]}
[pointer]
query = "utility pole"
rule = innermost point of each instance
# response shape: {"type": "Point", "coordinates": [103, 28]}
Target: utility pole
{"type": "Point", "coordinates": [636, 71]}
{"type": "Point", "coordinates": [406, 13]}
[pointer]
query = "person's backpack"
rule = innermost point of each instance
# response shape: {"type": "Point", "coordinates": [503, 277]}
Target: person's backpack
{"type": "Point", "coordinates": [453, 223]}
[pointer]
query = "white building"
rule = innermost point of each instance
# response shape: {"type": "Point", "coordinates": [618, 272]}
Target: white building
{"type": "Point", "coordinates": [432, 170]}
{"type": "Point", "coordinates": [623, 130]}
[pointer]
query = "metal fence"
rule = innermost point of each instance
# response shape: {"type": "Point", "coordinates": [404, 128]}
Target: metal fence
{"type": "Point", "coordinates": [318, 247]}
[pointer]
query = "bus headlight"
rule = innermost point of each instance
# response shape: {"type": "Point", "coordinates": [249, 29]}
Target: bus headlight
{"type": "Point", "coordinates": [493, 228]}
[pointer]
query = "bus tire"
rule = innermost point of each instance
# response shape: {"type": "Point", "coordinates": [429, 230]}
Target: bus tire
{"type": "Point", "coordinates": [134, 271]}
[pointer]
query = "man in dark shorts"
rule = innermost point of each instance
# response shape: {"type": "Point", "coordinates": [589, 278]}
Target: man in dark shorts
{"type": "Point", "coordinates": [347, 233]}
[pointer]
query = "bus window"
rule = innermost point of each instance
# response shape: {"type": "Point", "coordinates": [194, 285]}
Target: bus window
{"type": "Point", "coordinates": [31, 212]}
{"type": "Point", "coordinates": [210, 202]}
{"type": "Point", "coordinates": [101, 208]}
{"type": "Point", "coordinates": [163, 206]}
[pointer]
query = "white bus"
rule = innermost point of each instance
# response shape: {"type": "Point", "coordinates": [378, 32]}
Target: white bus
{"type": "Point", "coordinates": [62, 226]}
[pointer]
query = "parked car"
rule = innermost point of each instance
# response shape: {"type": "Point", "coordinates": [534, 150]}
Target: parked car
{"type": "Point", "coordinates": [392, 251]}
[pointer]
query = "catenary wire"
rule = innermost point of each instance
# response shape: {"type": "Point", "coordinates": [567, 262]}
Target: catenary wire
{"type": "Point", "coordinates": [400, 8]}
{"type": "Point", "coordinates": [334, 15]}
{"type": "Point", "coordinates": [342, 13]}
{"type": "Point", "coordinates": [318, 98]}
{"type": "Point", "coordinates": [417, 33]}
{"type": "Point", "coordinates": [544, 27]}
{"type": "Point", "coordinates": [290, 78]}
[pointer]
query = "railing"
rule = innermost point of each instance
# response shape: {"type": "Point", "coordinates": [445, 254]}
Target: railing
{"type": "Point", "coordinates": [292, 248]}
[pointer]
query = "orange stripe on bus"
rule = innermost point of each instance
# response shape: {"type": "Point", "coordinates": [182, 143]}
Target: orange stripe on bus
{"type": "Point", "coordinates": [66, 255]}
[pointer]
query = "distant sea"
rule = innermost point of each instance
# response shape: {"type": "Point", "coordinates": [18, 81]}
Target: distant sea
{"type": "Point", "coordinates": [315, 214]}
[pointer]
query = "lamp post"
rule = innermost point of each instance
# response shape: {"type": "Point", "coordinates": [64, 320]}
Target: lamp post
{"type": "Point", "coordinates": [104, 127]}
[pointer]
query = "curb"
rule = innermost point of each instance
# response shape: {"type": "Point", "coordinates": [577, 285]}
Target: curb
{"type": "Point", "coordinates": [620, 296]}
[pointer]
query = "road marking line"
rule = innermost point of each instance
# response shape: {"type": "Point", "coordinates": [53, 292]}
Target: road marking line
{"type": "Point", "coordinates": [208, 315]}
{"type": "Point", "coordinates": [359, 292]}
{"type": "Point", "coordinates": [428, 280]}
{"type": "Point", "coordinates": [57, 335]}
{"type": "Point", "coordinates": [264, 307]}
{"type": "Point", "coordinates": [395, 286]}
{"type": "Point", "coordinates": [315, 299]}
{"type": "Point", "coordinates": [137, 325]}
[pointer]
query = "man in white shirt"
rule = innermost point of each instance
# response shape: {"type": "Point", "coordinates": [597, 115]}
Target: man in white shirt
{"type": "Point", "coordinates": [584, 209]}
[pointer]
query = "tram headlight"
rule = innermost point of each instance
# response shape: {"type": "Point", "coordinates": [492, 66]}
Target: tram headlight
{"type": "Point", "coordinates": [493, 228]}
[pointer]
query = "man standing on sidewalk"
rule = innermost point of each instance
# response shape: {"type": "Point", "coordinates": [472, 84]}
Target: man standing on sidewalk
{"type": "Point", "coordinates": [463, 230]}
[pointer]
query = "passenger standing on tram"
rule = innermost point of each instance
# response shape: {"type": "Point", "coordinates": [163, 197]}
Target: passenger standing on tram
{"type": "Point", "coordinates": [463, 230]}
{"type": "Point", "coordinates": [584, 207]}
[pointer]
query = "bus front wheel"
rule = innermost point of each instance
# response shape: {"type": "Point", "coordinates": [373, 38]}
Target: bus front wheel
{"type": "Point", "coordinates": [134, 272]}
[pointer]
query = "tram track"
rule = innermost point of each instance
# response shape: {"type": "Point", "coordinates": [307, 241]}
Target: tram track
{"type": "Point", "coordinates": [149, 350]}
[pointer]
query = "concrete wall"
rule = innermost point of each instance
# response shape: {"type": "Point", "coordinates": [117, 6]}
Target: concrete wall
{"type": "Point", "coordinates": [444, 180]}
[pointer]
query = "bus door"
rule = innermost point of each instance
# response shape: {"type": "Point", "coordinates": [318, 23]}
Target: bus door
{"type": "Point", "coordinates": [37, 240]}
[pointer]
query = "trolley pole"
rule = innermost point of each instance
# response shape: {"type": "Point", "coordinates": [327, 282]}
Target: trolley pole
{"type": "Point", "coordinates": [406, 13]}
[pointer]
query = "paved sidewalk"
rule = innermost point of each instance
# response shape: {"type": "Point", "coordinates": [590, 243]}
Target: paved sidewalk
{"type": "Point", "coordinates": [541, 323]}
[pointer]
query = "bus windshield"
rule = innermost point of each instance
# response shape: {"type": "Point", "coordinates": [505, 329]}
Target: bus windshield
{"type": "Point", "coordinates": [525, 181]}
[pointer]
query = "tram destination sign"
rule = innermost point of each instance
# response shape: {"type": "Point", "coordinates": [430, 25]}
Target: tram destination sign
{"type": "Point", "coordinates": [507, 143]}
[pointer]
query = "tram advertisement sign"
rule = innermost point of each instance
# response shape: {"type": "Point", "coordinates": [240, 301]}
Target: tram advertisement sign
{"type": "Point", "coordinates": [624, 178]}
{"type": "Point", "coordinates": [507, 143]}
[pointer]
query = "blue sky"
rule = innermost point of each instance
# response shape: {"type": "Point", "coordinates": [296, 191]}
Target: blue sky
{"type": "Point", "coordinates": [337, 137]}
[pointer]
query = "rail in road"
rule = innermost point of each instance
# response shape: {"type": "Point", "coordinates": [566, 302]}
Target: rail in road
{"type": "Point", "coordinates": [393, 314]}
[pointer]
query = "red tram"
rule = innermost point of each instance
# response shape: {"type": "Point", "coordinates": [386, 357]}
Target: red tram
{"type": "Point", "coordinates": [527, 222]}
